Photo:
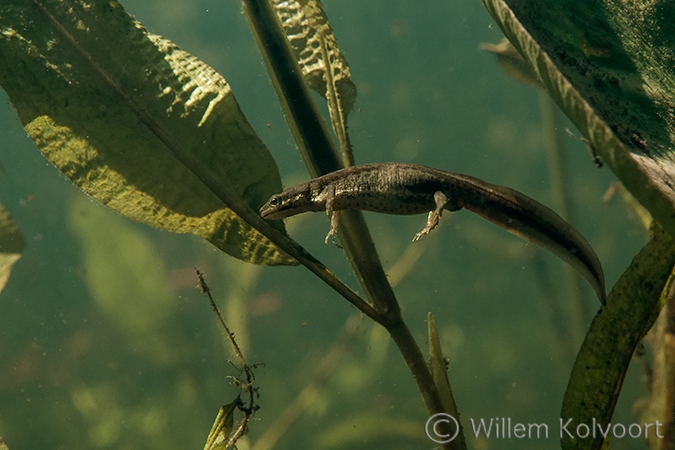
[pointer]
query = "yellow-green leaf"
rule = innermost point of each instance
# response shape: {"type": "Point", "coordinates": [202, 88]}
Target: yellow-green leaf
{"type": "Point", "coordinates": [137, 123]}
{"type": "Point", "coordinates": [609, 66]}
{"type": "Point", "coordinates": [324, 67]}
{"type": "Point", "coordinates": [221, 430]}
{"type": "Point", "coordinates": [603, 359]}
{"type": "Point", "coordinates": [305, 24]}
{"type": "Point", "coordinates": [11, 245]}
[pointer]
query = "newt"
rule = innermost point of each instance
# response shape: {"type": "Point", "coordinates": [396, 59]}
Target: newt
{"type": "Point", "coordinates": [404, 189]}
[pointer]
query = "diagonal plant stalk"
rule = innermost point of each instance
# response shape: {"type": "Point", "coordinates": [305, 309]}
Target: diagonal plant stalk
{"type": "Point", "coordinates": [316, 147]}
{"type": "Point", "coordinates": [222, 191]}
{"type": "Point", "coordinates": [51, 135]}
{"type": "Point", "coordinates": [321, 157]}
{"type": "Point", "coordinates": [325, 368]}
{"type": "Point", "coordinates": [332, 358]}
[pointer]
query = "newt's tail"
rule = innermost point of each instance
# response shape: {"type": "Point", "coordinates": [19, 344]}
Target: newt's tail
{"type": "Point", "coordinates": [536, 223]}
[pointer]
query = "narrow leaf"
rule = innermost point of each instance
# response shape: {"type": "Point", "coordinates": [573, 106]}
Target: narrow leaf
{"type": "Point", "coordinates": [221, 430]}
{"type": "Point", "coordinates": [11, 245]}
{"type": "Point", "coordinates": [323, 66]}
{"type": "Point", "coordinates": [603, 359]}
{"type": "Point", "coordinates": [137, 123]}
{"type": "Point", "coordinates": [660, 404]}
{"type": "Point", "coordinates": [512, 62]}
{"type": "Point", "coordinates": [439, 372]}
{"type": "Point", "coordinates": [609, 67]}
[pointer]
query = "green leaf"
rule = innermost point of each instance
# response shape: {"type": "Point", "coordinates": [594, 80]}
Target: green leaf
{"type": "Point", "coordinates": [609, 67]}
{"type": "Point", "coordinates": [439, 373]}
{"type": "Point", "coordinates": [602, 362]}
{"type": "Point", "coordinates": [128, 281]}
{"type": "Point", "coordinates": [659, 404]}
{"type": "Point", "coordinates": [438, 365]}
{"type": "Point", "coordinates": [312, 39]}
{"type": "Point", "coordinates": [11, 245]}
{"type": "Point", "coordinates": [221, 430]}
{"type": "Point", "coordinates": [324, 67]}
{"type": "Point", "coordinates": [137, 123]}
{"type": "Point", "coordinates": [512, 62]}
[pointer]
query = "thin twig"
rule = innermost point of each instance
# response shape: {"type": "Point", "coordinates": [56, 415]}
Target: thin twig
{"type": "Point", "coordinates": [247, 387]}
{"type": "Point", "coordinates": [204, 289]}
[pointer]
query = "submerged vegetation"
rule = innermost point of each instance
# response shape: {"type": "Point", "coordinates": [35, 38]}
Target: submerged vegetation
{"type": "Point", "coordinates": [155, 134]}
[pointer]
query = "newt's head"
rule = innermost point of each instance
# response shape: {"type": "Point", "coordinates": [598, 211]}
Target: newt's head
{"type": "Point", "coordinates": [292, 201]}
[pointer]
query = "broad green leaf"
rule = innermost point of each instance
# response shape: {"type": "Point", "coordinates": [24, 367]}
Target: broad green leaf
{"type": "Point", "coordinates": [137, 123]}
{"type": "Point", "coordinates": [323, 66]}
{"type": "Point", "coordinates": [608, 64]}
{"type": "Point", "coordinates": [221, 430]}
{"type": "Point", "coordinates": [603, 359]}
{"type": "Point", "coordinates": [11, 245]}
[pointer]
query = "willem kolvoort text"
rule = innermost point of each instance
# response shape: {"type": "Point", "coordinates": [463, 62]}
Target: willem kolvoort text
{"type": "Point", "coordinates": [505, 428]}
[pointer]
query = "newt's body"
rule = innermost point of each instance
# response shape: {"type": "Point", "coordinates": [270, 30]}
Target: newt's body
{"type": "Point", "coordinates": [397, 188]}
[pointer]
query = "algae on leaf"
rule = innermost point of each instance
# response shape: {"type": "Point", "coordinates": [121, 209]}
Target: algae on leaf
{"type": "Point", "coordinates": [137, 123]}
{"type": "Point", "coordinates": [11, 245]}
{"type": "Point", "coordinates": [609, 65]}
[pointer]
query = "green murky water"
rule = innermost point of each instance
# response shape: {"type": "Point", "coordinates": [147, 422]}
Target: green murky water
{"type": "Point", "coordinates": [105, 342]}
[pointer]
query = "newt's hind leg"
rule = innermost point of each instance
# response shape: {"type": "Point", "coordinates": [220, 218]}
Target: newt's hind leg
{"type": "Point", "coordinates": [441, 200]}
{"type": "Point", "coordinates": [328, 196]}
{"type": "Point", "coordinates": [334, 220]}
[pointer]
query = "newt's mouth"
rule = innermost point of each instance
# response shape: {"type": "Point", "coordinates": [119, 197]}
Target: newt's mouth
{"type": "Point", "coordinates": [274, 209]}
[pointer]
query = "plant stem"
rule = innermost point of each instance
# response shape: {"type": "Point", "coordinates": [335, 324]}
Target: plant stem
{"type": "Point", "coordinates": [316, 147]}
{"type": "Point", "coordinates": [417, 365]}
{"type": "Point", "coordinates": [320, 156]}
{"type": "Point", "coordinates": [561, 201]}
{"type": "Point", "coordinates": [231, 199]}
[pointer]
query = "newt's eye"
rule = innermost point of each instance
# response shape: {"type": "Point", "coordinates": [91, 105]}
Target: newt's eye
{"type": "Point", "coordinates": [276, 201]}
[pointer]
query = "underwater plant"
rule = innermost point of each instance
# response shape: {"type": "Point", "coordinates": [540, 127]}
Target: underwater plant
{"type": "Point", "coordinates": [156, 134]}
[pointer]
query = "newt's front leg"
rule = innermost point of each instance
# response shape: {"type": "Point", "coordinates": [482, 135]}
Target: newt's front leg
{"type": "Point", "coordinates": [434, 216]}
{"type": "Point", "coordinates": [328, 197]}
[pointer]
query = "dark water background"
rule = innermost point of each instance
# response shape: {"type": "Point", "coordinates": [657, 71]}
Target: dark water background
{"type": "Point", "coordinates": [105, 343]}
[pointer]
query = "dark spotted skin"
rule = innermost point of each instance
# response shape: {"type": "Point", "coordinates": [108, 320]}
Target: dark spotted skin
{"type": "Point", "coordinates": [390, 188]}
{"type": "Point", "coordinates": [397, 188]}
